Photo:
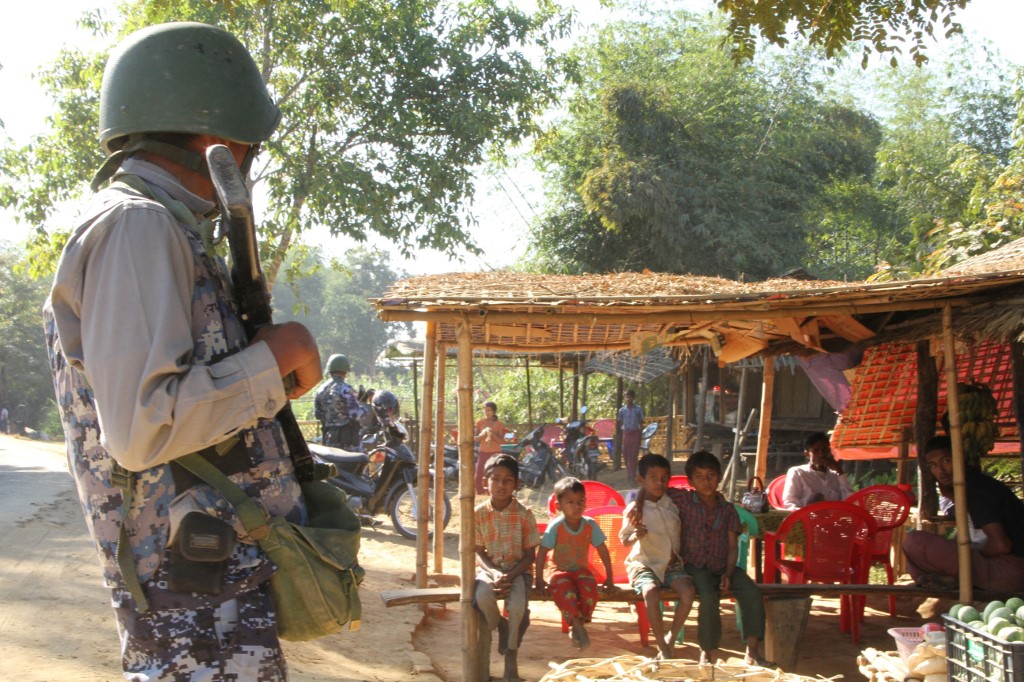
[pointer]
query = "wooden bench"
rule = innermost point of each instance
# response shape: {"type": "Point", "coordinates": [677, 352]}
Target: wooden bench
{"type": "Point", "coordinates": [787, 607]}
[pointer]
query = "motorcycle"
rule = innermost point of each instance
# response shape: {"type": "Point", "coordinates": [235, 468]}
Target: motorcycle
{"type": "Point", "coordinates": [645, 437]}
{"type": "Point", "coordinates": [580, 451]}
{"type": "Point", "coordinates": [384, 479]}
{"type": "Point", "coordinates": [537, 461]}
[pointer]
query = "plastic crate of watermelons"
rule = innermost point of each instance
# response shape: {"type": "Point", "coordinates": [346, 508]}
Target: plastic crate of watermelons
{"type": "Point", "coordinates": [974, 655]}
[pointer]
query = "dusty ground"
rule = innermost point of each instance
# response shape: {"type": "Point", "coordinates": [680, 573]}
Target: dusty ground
{"type": "Point", "coordinates": [56, 625]}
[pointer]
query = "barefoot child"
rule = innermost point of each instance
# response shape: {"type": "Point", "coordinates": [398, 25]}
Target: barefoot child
{"type": "Point", "coordinates": [651, 525]}
{"type": "Point", "coordinates": [506, 538]}
{"type": "Point", "coordinates": [572, 585]}
{"type": "Point", "coordinates": [711, 528]}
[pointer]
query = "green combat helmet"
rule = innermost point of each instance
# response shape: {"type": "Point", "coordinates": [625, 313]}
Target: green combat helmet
{"type": "Point", "coordinates": [181, 77]}
{"type": "Point", "coordinates": [338, 363]}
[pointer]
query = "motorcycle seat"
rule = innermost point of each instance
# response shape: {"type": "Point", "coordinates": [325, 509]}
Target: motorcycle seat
{"type": "Point", "coordinates": [337, 455]}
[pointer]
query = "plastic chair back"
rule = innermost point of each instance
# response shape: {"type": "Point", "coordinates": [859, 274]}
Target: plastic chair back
{"type": "Point", "coordinates": [833, 531]}
{"type": "Point", "coordinates": [598, 495]}
{"type": "Point", "coordinates": [889, 507]}
{"type": "Point", "coordinates": [609, 520]}
{"type": "Point", "coordinates": [604, 429]}
{"type": "Point", "coordinates": [750, 528]}
{"type": "Point", "coordinates": [679, 481]}
{"type": "Point", "coordinates": [774, 492]}
{"type": "Point", "coordinates": [552, 433]}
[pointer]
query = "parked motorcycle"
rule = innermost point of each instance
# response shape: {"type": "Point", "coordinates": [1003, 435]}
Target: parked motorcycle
{"type": "Point", "coordinates": [580, 451]}
{"type": "Point", "coordinates": [383, 480]}
{"type": "Point", "coordinates": [645, 438]}
{"type": "Point", "coordinates": [537, 461]}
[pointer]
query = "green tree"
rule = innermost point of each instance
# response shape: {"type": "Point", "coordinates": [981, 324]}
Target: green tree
{"type": "Point", "coordinates": [387, 106]}
{"type": "Point", "coordinates": [885, 26]}
{"type": "Point", "coordinates": [333, 302]}
{"type": "Point", "coordinates": [673, 158]}
{"type": "Point", "coordinates": [24, 367]}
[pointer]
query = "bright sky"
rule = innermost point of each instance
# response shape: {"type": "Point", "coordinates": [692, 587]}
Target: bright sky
{"type": "Point", "coordinates": [32, 33]}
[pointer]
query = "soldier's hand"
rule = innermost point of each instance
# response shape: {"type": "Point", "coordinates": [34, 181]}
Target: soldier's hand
{"type": "Point", "coordinates": [296, 353]}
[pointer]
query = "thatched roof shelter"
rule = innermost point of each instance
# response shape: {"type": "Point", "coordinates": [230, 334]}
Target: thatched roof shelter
{"type": "Point", "coordinates": [531, 313]}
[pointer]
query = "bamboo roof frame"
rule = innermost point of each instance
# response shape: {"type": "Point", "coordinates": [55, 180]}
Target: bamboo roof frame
{"type": "Point", "coordinates": [529, 313]}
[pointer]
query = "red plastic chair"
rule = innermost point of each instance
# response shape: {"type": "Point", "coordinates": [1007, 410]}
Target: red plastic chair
{"type": "Point", "coordinates": [609, 519]}
{"type": "Point", "coordinates": [679, 481]}
{"type": "Point", "coordinates": [774, 492]}
{"type": "Point", "coordinates": [598, 495]}
{"type": "Point", "coordinates": [836, 535]}
{"type": "Point", "coordinates": [889, 507]}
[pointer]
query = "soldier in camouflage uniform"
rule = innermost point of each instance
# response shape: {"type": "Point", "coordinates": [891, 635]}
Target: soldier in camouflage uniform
{"type": "Point", "coordinates": [150, 360]}
{"type": "Point", "coordinates": [338, 408]}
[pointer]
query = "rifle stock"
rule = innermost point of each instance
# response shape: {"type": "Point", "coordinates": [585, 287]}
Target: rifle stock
{"type": "Point", "coordinates": [249, 284]}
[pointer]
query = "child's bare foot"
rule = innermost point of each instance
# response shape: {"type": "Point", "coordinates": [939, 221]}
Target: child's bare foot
{"type": "Point", "coordinates": [759, 660]}
{"type": "Point", "coordinates": [665, 648]}
{"type": "Point", "coordinates": [583, 639]}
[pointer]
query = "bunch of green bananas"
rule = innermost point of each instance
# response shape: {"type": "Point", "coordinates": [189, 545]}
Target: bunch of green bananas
{"type": "Point", "coordinates": [977, 421]}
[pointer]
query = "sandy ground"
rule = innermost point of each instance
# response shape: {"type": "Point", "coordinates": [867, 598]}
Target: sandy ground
{"type": "Point", "coordinates": [56, 624]}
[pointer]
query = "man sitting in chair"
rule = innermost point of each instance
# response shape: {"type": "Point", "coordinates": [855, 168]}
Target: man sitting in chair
{"type": "Point", "coordinates": [820, 480]}
{"type": "Point", "coordinates": [996, 518]}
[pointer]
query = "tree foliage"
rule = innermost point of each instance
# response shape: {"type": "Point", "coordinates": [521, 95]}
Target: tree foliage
{"type": "Point", "coordinates": [24, 367]}
{"type": "Point", "coordinates": [882, 26]}
{"type": "Point", "coordinates": [333, 302]}
{"type": "Point", "coordinates": [387, 106]}
{"type": "Point", "coordinates": [675, 159]}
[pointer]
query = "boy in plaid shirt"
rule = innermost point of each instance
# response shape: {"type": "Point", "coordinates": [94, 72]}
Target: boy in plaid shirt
{"type": "Point", "coordinates": [506, 541]}
{"type": "Point", "coordinates": [710, 531]}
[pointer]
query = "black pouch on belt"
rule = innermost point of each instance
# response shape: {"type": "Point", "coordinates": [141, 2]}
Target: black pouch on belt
{"type": "Point", "coordinates": [199, 554]}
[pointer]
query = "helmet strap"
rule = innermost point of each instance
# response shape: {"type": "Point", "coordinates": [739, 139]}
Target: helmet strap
{"type": "Point", "coordinates": [193, 161]}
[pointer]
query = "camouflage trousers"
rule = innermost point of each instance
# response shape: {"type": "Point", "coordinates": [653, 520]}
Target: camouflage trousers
{"type": "Point", "coordinates": [234, 641]}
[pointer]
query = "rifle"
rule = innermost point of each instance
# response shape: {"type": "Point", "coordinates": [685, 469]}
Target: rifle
{"type": "Point", "coordinates": [249, 284]}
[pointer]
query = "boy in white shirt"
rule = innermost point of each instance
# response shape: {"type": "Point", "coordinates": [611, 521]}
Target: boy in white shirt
{"type": "Point", "coordinates": [651, 525]}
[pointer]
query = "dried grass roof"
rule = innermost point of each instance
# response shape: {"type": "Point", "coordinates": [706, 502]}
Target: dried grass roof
{"type": "Point", "coordinates": [528, 312]}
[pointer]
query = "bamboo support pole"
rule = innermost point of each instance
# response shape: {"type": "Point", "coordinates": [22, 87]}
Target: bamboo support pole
{"type": "Point", "coordinates": [670, 427]}
{"type": "Point", "coordinates": [737, 442]}
{"type": "Point", "coordinates": [925, 416]}
{"type": "Point", "coordinates": [467, 496]}
{"type": "Point", "coordinates": [439, 425]}
{"type": "Point", "coordinates": [764, 430]}
{"type": "Point", "coordinates": [423, 479]}
{"type": "Point", "coordinates": [702, 406]}
{"type": "Point", "coordinates": [529, 396]}
{"type": "Point", "coordinates": [963, 536]}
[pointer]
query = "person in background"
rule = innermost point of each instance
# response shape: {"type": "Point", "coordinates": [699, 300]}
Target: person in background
{"type": "Point", "coordinates": [996, 518]}
{"type": "Point", "coordinates": [151, 361]}
{"type": "Point", "coordinates": [337, 406]}
{"type": "Point", "coordinates": [820, 480]}
{"type": "Point", "coordinates": [4, 415]}
{"type": "Point", "coordinates": [631, 421]}
{"type": "Point", "coordinates": [506, 544]}
{"type": "Point", "coordinates": [489, 433]}
{"type": "Point", "coordinates": [569, 537]}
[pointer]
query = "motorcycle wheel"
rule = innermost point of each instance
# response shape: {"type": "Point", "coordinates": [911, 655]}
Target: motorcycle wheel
{"type": "Point", "coordinates": [403, 518]}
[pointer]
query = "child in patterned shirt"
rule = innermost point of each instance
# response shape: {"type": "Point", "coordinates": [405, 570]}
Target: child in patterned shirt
{"type": "Point", "coordinates": [572, 585]}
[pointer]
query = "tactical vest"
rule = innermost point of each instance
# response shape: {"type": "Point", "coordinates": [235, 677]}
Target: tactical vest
{"type": "Point", "coordinates": [260, 464]}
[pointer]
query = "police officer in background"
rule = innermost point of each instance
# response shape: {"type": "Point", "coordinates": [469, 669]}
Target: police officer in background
{"type": "Point", "coordinates": [337, 406]}
{"type": "Point", "coordinates": [145, 338]}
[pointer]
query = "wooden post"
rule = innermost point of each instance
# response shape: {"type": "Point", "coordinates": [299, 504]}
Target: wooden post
{"type": "Point", "coordinates": [764, 430]}
{"type": "Point", "coordinates": [561, 388]}
{"type": "Point", "coordinates": [583, 392]}
{"type": "Point", "coordinates": [529, 397]}
{"type": "Point", "coordinates": [963, 536]}
{"type": "Point", "coordinates": [925, 416]}
{"type": "Point", "coordinates": [785, 623]}
{"type": "Point", "coordinates": [899, 562]}
{"type": "Point", "coordinates": [670, 428]}
{"type": "Point", "coordinates": [575, 413]}
{"type": "Point", "coordinates": [467, 496]}
{"type": "Point", "coordinates": [423, 479]}
{"type": "Point", "coordinates": [415, 388]}
{"type": "Point", "coordinates": [617, 443]}
{"type": "Point", "coordinates": [1017, 368]}
{"type": "Point", "coordinates": [442, 364]}
{"type": "Point", "coordinates": [702, 404]}
{"type": "Point", "coordinates": [739, 436]}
